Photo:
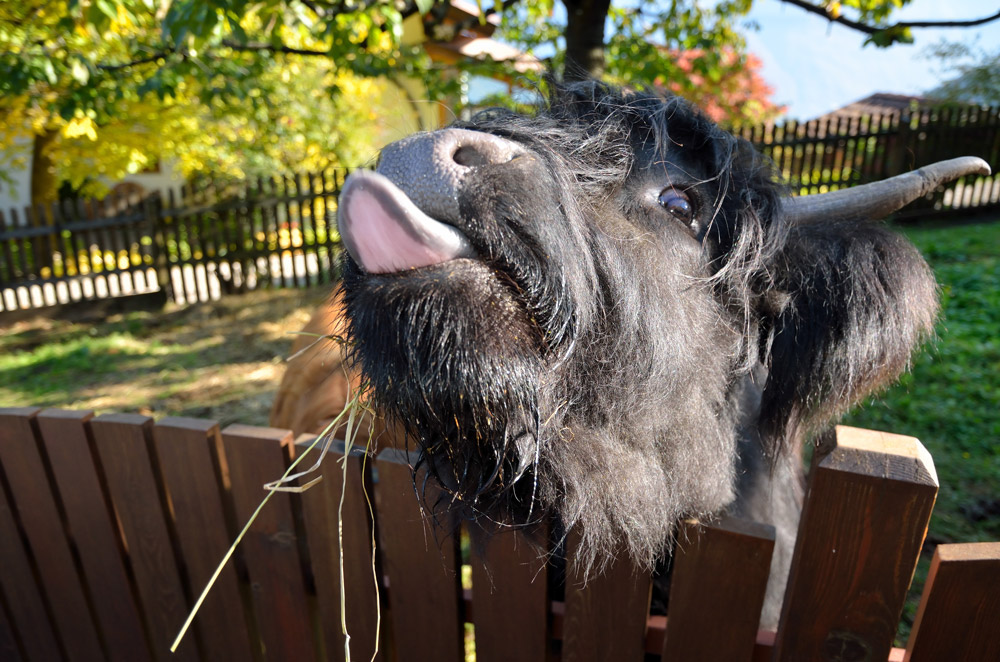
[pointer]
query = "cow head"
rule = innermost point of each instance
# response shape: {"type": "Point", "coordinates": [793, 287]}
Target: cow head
{"type": "Point", "coordinates": [566, 311]}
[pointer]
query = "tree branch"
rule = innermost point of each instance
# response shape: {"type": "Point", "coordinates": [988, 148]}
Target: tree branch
{"type": "Point", "coordinates": [871, 29]}
{"type": "Point", "coordinates": [257, 47]}
{"type": "Point", "coordinates": [135, 63]}
{"type": "Point", "coordinates": [236, 46]}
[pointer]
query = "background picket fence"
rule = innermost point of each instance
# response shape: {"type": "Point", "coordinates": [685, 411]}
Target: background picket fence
{"type": "Point", "coordinates": [213, 239]}
{"type": "Point", "coordinates": [110, 526]}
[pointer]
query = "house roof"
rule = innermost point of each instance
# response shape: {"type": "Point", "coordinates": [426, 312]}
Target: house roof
{"type": "Point", "coordinates": [880, 103]}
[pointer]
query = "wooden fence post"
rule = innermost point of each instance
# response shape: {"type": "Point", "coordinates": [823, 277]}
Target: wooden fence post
{"type": "Point", "coordinates": [606, 615]}
{"type": "Point", "coordinates": [510, 599]}
{"type": "Point", "coordinates": [960, 608]}
{"type": "Point", "coordinates": [257, 456]}
{"type": "Point", "coordinates": [189, 452]}
{"type": "Point", "coordinates": [719, 576]}
{"type": "Point", "coordinates": [320, 505]}
{"type": "Point", "coordinates": [24, 468]}
{"type": "Point", "coordinates": [863, 523]}
{"type": "Point", "coordinates": [92, 523]}
{"type": "Point", "coordinates": [17, 580]}
{"type": "Point", "coordinates": [153, 210]}
{"type": "Point", "coordinates": [424, 578]}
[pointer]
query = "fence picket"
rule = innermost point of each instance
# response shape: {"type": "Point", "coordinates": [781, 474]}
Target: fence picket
{"type": "Point", "coordinates": [861, 551]}
{"type": "Point", "coordinates": [9, 651]}
{"type": "Point", "coordinates": [320, 505]}
{"type": "Point", "coordinates": [510, 595]}
{"type": "Point", "coordinates": [123, 445]}
{"type": "Point", "coordinates": [189, 453]}
{"type": "Point", "coordinates": [94, 530]}
{"type": "Point", "coordinates": [26, 475]}
{"type": "Point", "coordinates": [28, 612]}
{"type": "Point", "coordinates": [256, 456]}
{"type": "Point", "coordinates": [957, 617]}
{"type": "Point", "coordinates": [720, 575]}
{"type": "Point", "coordinates": [606, 614]}
{"type": "Point", "coordinates": [423, 568]}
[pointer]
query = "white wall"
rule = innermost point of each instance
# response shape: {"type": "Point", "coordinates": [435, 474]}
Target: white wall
{"type": "Point", "coordinates": [16, 193]}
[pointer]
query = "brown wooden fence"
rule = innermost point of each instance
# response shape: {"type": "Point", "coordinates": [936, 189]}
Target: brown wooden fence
{"type": "Point", "coordinates": [209, 241]}
{"type": "Point", "coordinates": [110, 526]}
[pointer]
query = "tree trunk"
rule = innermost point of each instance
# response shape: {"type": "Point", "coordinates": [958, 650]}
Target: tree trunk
{"type": "Point", "coordinates": [585, 38]}
{"type": "Point", "coordinates": [43, 178]}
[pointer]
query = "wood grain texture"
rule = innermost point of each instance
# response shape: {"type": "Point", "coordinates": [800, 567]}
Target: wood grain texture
{"type": "Point", "coordinates": [20, 590]}
{"type": "Point", "coordinates": [320, 505]}
{"type": "Point", "coordinates": [36, 504]}
{"type": "Point", "coordinates": [257, 456]}
{"type": "Point", "coordinates": [510, 598]}
{"type": "Point", "coordinates": [95, 533]}
{"type": "Point", "coordinates": [863, 523]}
{"type": "Point", "coordinates": [123, 443]}
{"type": "Point", "coordinates": [9, 651]}
{"type": "Point", "coordinates": [959, 613]}
{"type": "Point", "coordinates": [719, 576]}
{"type": "Point", "coordinates": [606, 615]}
{"type": "Point", "coordinates": [423, 569]}
{"type": "Point", "coordinates": [186, 448]}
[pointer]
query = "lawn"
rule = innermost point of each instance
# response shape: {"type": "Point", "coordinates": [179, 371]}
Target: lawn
{"type": "Point", "coordinates": [950, 399]}
{"type": "Point", "coordinates": [224, 360]}
{"type": "Point", "coordinates": [221, 360]}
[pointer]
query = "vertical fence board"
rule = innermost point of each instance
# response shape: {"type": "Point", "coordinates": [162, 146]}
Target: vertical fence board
{"type": "Point", "coordinates": [606, 616]}
{"type": "Point", "coordinates": [27, 609]}
{"type": "Point", "coordinates": [423, 569]}
{"type": "Point", "coordinates": [9, 652]}
{"type": "Point", "coordinates": [122, 442]}
{"type": "Point", "coordinates": [256, 456]}
{"type": "Point", "coordinates": [187, 450]}
{"type": "Point", "coordinates": [94, 532]}
{"type": "Point", "coordinates": [26, 476]}
{"type": "Point", "coordinates": [510, 599]}
{"type": "Point", "coordinates": [320, 505]}
{"type": "Point", "coordinates": [959, 611]}
{"type": "Point", "coordinates": [863, 523]}
{"type": "Point", "coordinates": [719, 576]}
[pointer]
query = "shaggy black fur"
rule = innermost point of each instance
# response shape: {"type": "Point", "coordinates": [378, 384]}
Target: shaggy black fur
{"type": "Point", "coordinates": [606, 363]}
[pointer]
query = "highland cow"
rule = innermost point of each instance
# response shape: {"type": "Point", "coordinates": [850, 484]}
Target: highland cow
{"type": "Point", "coordinates": [613, 314]}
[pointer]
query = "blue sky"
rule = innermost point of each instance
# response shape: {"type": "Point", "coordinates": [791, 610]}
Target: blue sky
{"type": "Point", "coordinates": [815, 66]}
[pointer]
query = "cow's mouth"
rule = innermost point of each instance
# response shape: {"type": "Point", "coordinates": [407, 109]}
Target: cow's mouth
{"type": "Point", "coordinates": [385, 232]}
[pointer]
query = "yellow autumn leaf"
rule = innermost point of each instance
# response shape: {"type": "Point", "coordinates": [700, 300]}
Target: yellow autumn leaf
{"type": "Point", "coordinates": [80, 126]}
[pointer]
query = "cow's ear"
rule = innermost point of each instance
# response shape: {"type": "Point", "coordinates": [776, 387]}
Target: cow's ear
{"type": "Point", "coordinates": [857, 300]}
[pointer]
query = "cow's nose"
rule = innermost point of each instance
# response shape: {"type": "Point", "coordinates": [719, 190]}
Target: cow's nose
{"type": "Point", "coordinates": [430, 168]}
{"type": "Point", "coordinates": [472, 149]}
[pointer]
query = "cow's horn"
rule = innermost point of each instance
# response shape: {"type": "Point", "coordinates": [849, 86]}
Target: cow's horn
{"type": "Point", "coordinates": [879, 199]}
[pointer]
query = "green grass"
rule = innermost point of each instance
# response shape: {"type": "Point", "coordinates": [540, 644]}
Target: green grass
{"type": "Point", "coordinates": [950, 399]}
{"type": "Point", "coordinates": [221, 360]}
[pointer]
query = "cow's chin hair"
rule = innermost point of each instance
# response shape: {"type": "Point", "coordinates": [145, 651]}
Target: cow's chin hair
{"type": "Point", "coordinates": [450, 354]}
{"type": "Point", "coordinates": [515, 433]}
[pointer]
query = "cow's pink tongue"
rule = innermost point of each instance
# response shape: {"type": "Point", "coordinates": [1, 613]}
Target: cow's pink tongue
{"type": "Point", "coordinates": [385, 232]}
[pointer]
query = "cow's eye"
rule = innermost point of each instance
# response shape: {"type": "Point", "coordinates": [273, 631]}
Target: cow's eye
{"type": "Point", "coordinates": [677, 205]}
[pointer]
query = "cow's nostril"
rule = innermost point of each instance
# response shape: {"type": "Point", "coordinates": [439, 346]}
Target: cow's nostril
{"type": "Point", "coordinates": [470, 157]}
